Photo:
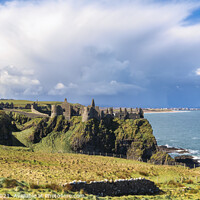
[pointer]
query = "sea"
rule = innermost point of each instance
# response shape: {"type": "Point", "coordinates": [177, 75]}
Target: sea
{"type": "Point", "coordinates": [177, 129]}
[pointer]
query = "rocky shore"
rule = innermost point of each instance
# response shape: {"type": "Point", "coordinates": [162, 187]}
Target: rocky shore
{"type": "Point", "coordinates": [188, 160]}
{"type": "Point", "coordinates": [173, 149]}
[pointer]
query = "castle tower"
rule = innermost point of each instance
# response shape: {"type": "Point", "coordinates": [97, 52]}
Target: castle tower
{"type": "Point", "coordinates": [111, 111]}
{"type": "Point", "coordinates": [131, 110]}
{"type": "Point", "coordinates": [120, 110]}
{"type": "Point", "coordinates": [102, 114]}
{"type": "Point", "coordinates": [93, 104]}
{"type": "Point", "coordinates": [85, 115]}
{"type": "Point", "coordinates": [125, 111]}
{"type": "Point", "coordinates": [66, 109]}
{"type": "Point", "coordinates": [141, 112]}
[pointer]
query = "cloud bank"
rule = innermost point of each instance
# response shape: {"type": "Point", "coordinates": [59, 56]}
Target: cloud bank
{"type": "Point", "coordinates": [126, 53]}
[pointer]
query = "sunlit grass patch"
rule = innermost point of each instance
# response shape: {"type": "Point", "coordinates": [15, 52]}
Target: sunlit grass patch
{"type": "Point", "coordinates": [47, 171]}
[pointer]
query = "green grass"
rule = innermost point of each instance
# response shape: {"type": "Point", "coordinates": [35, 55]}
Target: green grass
{"type": "Point", "coordinates": [17, 102]}
{"type": "Point", "coordinates": [46, 167]}
{"type": "Point", "coordinates": [54, 142]}
{"type": "Point", "coordinates": [42, 168]}
{"type": "Point", "coordinates": [22, 103]}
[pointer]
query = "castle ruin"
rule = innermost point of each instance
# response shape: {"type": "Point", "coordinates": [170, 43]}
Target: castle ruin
{"type": "Point", "coordinates": [66, 109]}
{"type": "Point", "coordinates": [93, 112]}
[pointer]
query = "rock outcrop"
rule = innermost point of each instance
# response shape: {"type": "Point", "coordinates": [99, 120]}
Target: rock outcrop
{"type": "Point", "coordinates": [187, 160]}
{"type": "Point", "coordinates": [162, 158]}
{"type": "Point", "coordinates": [6, 127]}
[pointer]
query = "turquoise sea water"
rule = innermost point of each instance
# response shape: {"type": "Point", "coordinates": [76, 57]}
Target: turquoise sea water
{"type": "Point", "coordinates": [178, 129]}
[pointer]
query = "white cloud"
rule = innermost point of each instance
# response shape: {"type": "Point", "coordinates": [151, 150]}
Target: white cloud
{"type": "Point", "coordinates": [198, 72]}
{"type": "Point", "coordinates": [61, 89]}
{"type": "Point", "coordinates": [15, 82]}
{"type": "Point", "coordinates": [59, 86]}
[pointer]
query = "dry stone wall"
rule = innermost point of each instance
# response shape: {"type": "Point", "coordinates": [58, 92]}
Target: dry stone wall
{"type": "Point", "coordinates": [119, 187]}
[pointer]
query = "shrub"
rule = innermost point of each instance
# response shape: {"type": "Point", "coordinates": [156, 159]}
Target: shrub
{"type": "Point", "coordinates": [18, 189]}
{"type": "Point", "coordinates": [188, 181]}
{"type": "Point", "coordinates": [174, 183]}
{"type": "Point", "coordinates": [143, 173]}
{"type": "Point", "coordinates": [194, 191]}
{"type": "Point", "coordinates": [10, 183]}
{"type": "Point", "coordinates": [34, 186]}
{"type": "Point", "coordinates": [68, 187]}
{"type": "Point", "coordinates": [53, 187]}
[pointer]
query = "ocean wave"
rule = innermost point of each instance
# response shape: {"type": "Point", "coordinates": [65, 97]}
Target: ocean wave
{"type": "Point", "coordinates": [179, 150]}
{"type": "Point", "coordinates": [195, 138]}
{"type": "Point", "coordinates": [168, 146]}
{"type": "Point", "coordinates": [197, 158]}
{"type": "Point", "coordinates": [193, 151]}
{"type": "Point", "coordinates": [173, 155]}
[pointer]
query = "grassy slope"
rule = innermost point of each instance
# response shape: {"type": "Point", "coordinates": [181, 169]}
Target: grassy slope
{"type": "Point", "coordinates": [58, 141]}
{"type": "Point", "coordinates": [23, 136]}
{"type": "Point", "coordinates": [23, 165]}
{"type": "Point", "coordinates": [54, 142]}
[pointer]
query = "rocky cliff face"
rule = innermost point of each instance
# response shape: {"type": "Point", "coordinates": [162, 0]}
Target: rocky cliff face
{"type": "Point", "coordinates": [133, 138]}
{"type": "Point", "coordinates": [139, 135]}
{"type": "Point", "coordinates": [5, 129]}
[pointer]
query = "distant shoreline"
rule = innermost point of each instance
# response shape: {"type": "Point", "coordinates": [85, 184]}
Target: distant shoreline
{"type": "Point", "coordinates": [164, 111]}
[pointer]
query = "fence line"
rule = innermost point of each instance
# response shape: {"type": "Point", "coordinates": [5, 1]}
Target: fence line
{"type": "Point", "coordinates": [127, 157]}
{"type": "Point", "coordinates": [102, 154]}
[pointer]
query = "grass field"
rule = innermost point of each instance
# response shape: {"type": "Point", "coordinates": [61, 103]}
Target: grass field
{"type": "Point", "coordinates": [46, 168]}
{"type": "Point", "coordinates": [22, 103]}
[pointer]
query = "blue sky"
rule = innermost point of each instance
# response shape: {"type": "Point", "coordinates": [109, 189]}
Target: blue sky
{"type": "Point", "coordinates": [122, 53]}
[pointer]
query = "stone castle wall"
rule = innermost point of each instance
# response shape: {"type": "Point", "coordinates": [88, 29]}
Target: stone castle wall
{"type": "Point", "coordinates": [34, 110]}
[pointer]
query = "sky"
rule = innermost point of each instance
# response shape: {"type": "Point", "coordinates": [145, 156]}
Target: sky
{"type": "Point", "coordinates": [130, 53]}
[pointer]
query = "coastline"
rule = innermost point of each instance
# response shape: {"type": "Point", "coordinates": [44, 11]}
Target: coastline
{"type": "Point", "coordinates": [160, 111]}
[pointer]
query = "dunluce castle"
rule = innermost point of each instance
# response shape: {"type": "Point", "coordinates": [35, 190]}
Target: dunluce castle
{"type": "Point", "coordinates": [87, 112]}
{"type": "Point", "coordinates": [92, 111]}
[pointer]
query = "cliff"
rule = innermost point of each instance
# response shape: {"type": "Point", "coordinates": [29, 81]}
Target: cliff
{"type": "Point", "coordinates": [131, 138]}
